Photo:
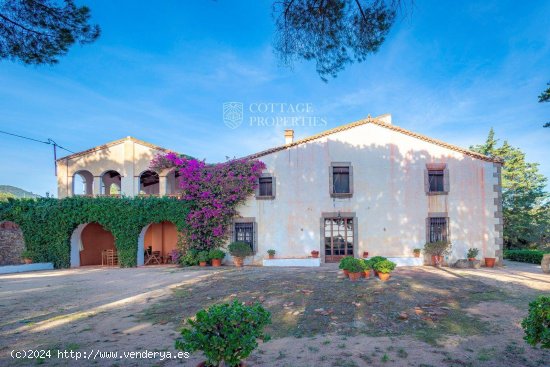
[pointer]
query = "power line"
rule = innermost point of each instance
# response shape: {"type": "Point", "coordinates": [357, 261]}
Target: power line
{"type": "Point", "coordinates": [49, 141]}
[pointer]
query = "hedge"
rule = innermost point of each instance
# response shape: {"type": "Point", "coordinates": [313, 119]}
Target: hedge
{"type": "Point", "coordinates": [47, 224]}
{"type": "Point", "coordinates": [526, 256]}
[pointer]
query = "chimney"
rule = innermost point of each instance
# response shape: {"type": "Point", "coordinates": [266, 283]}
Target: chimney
{"type": "Point", "coordinates": [386, 118]}
{"type": "Point", "coordinates": [289, 136]}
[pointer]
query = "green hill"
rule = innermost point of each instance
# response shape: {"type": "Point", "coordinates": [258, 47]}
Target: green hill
{"type": "Point", "coordinates": [17, 192]}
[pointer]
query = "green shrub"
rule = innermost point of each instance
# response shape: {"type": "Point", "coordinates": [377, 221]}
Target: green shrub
{"type": "Point", "coordinates": [385, 266]}
{"type": "Point", "coordinates": [526, 256]}
{"type": "Point", "coordinates": [271, 252]}
{"type": "Point", "coordinates": [472, 253]}
{"type": "Point", "coordinates": [345, 260]}
{"type": "Point", "coordinates": [203, 256]}
{"type": "Point", "coordinates": [225, 333]}
{"type": "Point", "coordinates": [417, 250]}
{"type": "Point", "coordinates": [190, 258]}
{"type": "Point", "coordinates": [27, 254]}
{"type": "Point", "coordinates": [537, 323]}
{"type": "Point", "coordinates": [216, 253]}
{"type": "Point", "coordinates": [353, 265]}
{"type": "Point", "coordinates": [377, 259]}
{"type": "Point", "coordinates": [239, 249]}
{"type": "Point", "coordinates": [367, 264]}
{"type": "Point", "coordinates": [438, 248]}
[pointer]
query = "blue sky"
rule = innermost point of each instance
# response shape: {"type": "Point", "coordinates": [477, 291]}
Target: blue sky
{"type": "Point", "coordinates": [450, 70]}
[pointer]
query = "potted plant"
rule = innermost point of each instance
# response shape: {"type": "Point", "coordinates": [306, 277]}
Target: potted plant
{"type": "Point", "coordinates": [472, 253]}
{"type": "Point", "coordinates": [384, 268]}
{"type": "Point", "coordinates": [315, 254]}
{"type": "Point", "coordinates": [216, 256]}
{"type": "Point", "coordinates": [416, 252]}
{"type": "Point", "coordinates": [365, 254]}
{"type": "Point", "coordinates": [27, 256]}
{"type": "Point", "coordinates": [490, 262]}
{"type": "Point", "coordinates": [354, 267]}
{"type": "Point", "coordinates": [342, 264]}
{"type": "Point", "coordinates": [271, 253]}
{"type": "Point", "coordinates": [367, 267]}
{"type": "Point", "coordinates": [225, 333]}
{"type": "Point", "coordinates": [203, 257]}
{"type": "Point", "coordinates": [376, 259]}
{"type": "Point", "coordinates": [437, 250]}
{"type": "Point", "coordinates": [239, 250]}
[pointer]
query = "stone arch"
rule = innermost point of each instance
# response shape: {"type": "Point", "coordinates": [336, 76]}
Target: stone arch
{"type": "Point", "coordinates": [162, 236]}
{"type": "Point", "coordinates": [12, 243]}
{"type": "Point", "coordinates": [83, 183]}
{"type": "Point", "coordinates": [111, 183]}
{"type": "Point", "coordinates": [87, 242]}
{"type": "Point", "coordinates": [149, 183]}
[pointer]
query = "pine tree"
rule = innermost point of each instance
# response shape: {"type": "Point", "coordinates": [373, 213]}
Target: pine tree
{"type": "Point", "coordinates": [526, 209]}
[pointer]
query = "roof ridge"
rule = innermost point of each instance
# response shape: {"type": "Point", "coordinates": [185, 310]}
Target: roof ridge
{"type": "Point", "coordinates": [377, 122]}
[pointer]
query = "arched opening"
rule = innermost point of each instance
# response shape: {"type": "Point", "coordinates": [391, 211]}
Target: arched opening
{"type": "Point", "coordinates": [110, 183]}
{"type": "Point", "coordinates": [173, 182]}
{"type": "Point", "coordinates": [83, 183]}
{"type": "Point", "coordinates": [90, 244]}
{"type": "Point", "coordinates": [12, 243]}
{"type": "Point", "coordinates": [156, 243]}
{"type": "Point", "coordinates": [149, 183]}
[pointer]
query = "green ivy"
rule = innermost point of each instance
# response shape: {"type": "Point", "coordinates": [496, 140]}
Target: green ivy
{"type": "Point", "coordinates": [47, 224]}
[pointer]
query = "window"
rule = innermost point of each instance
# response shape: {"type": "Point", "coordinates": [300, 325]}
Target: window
{"type": "Point", "coordinates": [244, 232]}
{"type": "Point", "coordinates": [438, 229]}
{"type": "Point", "coordinates": [266, 186]}
{"type": "Point", "coordinates": [341, 182]}
{"type": "Point", "coordinates": [435, 179]}
{"type": "Point", "coordinates": [338, 238]}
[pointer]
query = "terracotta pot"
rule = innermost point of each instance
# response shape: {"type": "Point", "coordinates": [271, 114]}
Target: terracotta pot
{"type": "Point", "coordinates": [416, 254]}
{"type": "Point", "coordinates": [346, 273]}
{"type": "Point", "coordinates": [216, 262]}
{"type": "Point", "coordinates": [490, 262]}
{"type": "Point", "coordinates": [27, 261]}
{"type": "Point", "coordinates": [367, 273]}
{"type": "Point", "coordinates": [271, 256]}
{"type": "Point", "coordinates": [437, 260]}
{"type": "Point", "coordinates": [315, 254]}
{"type": "Point", "coordinates": [355, 276]}
{"type": "Point", "coordinates": [238, 261]}
{"type": "Point", "coordinates": [365, 254]}
{"type": "Point", "coordinates": [384, 276]}
{"type": "Point", "coordinates": [471, 259]}
{"type": "Point", "coordinates": [202, 263]}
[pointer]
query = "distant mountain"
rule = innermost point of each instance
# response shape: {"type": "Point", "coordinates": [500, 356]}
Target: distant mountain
{"type": "Point", "coordinates": [17, 192]}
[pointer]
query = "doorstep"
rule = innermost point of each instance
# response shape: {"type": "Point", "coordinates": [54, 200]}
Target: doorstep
{"type": "Point", "coordinates": [305, 262]}
{"type": "Point", "coordinates": [9, 269]}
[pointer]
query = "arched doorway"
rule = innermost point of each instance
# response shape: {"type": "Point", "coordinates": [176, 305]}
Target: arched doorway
{"type": "Point", "coordinates": [149, 183]}
{"type": "Point", "coordinates": [158, 237]}
{"type": "Point", "coordinates": [87, 243]}
{"type": "Point", "coordinates": [110, 183]}
{"type": "Point", "coordinates": [83, 183]}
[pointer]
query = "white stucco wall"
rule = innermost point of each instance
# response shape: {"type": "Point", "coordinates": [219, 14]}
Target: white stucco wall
{"type": "Point", "coordinates": [389, 199]}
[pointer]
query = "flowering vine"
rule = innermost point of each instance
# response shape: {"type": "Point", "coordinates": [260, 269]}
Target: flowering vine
{"type": "Point", "coordinates": [215, 191]}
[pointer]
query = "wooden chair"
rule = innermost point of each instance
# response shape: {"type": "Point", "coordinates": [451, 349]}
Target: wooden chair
{"type": "Point", "coordinates": [112, 257]}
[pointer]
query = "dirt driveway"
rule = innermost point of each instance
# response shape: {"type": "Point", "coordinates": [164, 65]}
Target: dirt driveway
{"type": "Point", "coordinates": [421, 317]}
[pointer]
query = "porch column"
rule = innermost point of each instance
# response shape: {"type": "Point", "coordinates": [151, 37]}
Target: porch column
{"type": "Point", "coordinates": [162, 185]}
{"type": "Point", "coordinates": [97, 186]}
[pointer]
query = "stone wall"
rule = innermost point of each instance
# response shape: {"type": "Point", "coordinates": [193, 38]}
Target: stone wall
{"type": "Point", "coordinates": [11, 243]}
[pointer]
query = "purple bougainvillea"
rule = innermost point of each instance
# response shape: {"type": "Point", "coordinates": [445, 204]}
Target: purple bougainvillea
{"type": "Point", "coordinates": [215, 189]}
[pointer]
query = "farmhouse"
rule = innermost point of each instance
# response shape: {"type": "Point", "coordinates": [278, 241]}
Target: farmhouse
{"type": "Point", "coordinates": [368, 186]}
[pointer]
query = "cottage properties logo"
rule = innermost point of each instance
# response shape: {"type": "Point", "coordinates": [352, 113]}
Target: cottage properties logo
{"type": "Point", "coordinates": [268, 114]}
{"type": "Point", "coordinates": [233, 114]}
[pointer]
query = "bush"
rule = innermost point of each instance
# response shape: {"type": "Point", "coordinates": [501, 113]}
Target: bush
{"type": "Point", "coordinates": [27, 254]}
{"type": "Point", "coordinates": [376, 259]}
{"type": "Point", "coordinates": [438, 248]}
{"type": "Point", "coordinates": [203, 256]}
{"type": "Point", "coordinates": [526, 256]}
{"type": "Point", "coordinates": [216, 253]}
{"type": "Point", "coordinates": [190, 258]}
{"type": "Point", "coordinates": [537, 323]}
{"type": "Point", "coordinates": [225, 333]}
{"type": "Point", "coordinates": [385, 266]}
{"type": "Point", "coordinates": [353, 265]}
{"type": "Point", "coordinates": [271, 252]}
{"type": "Point", "coordinates": [472, 253]}
{"type": "Point", "coordinates": [367, 264]}
{"type": "Point", "coordinates": [239, 249]}
{"type": "Point", "coordinates": [417, 250]}
{"type": "Point", "coordinates": [345, 260]}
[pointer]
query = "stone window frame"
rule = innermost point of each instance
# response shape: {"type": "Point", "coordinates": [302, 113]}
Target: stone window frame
{"type": "Point", "coordinates": [446, 183]}
{"type": "Point", "coordinates": [331, 180]}
{"type": "Point", "coordinates": [254, 231]}
{"type": "Point", "coordinates": [438, 215]}
{"type": "Point", "coordinates": [273, 188]}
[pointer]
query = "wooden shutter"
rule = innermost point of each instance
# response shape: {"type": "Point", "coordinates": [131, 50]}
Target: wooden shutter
{"type": "Point", "coordinates": [426, 181]}
{"type": "Point", "coordinates": [446, 180]}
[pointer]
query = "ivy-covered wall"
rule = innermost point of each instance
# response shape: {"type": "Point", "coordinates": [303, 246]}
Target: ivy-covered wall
{"type": "Point", "coordinates": [48, 224]}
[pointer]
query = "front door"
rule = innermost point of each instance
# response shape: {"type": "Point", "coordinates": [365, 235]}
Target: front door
{"type": "Point", "coordinates": [338, 238]}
